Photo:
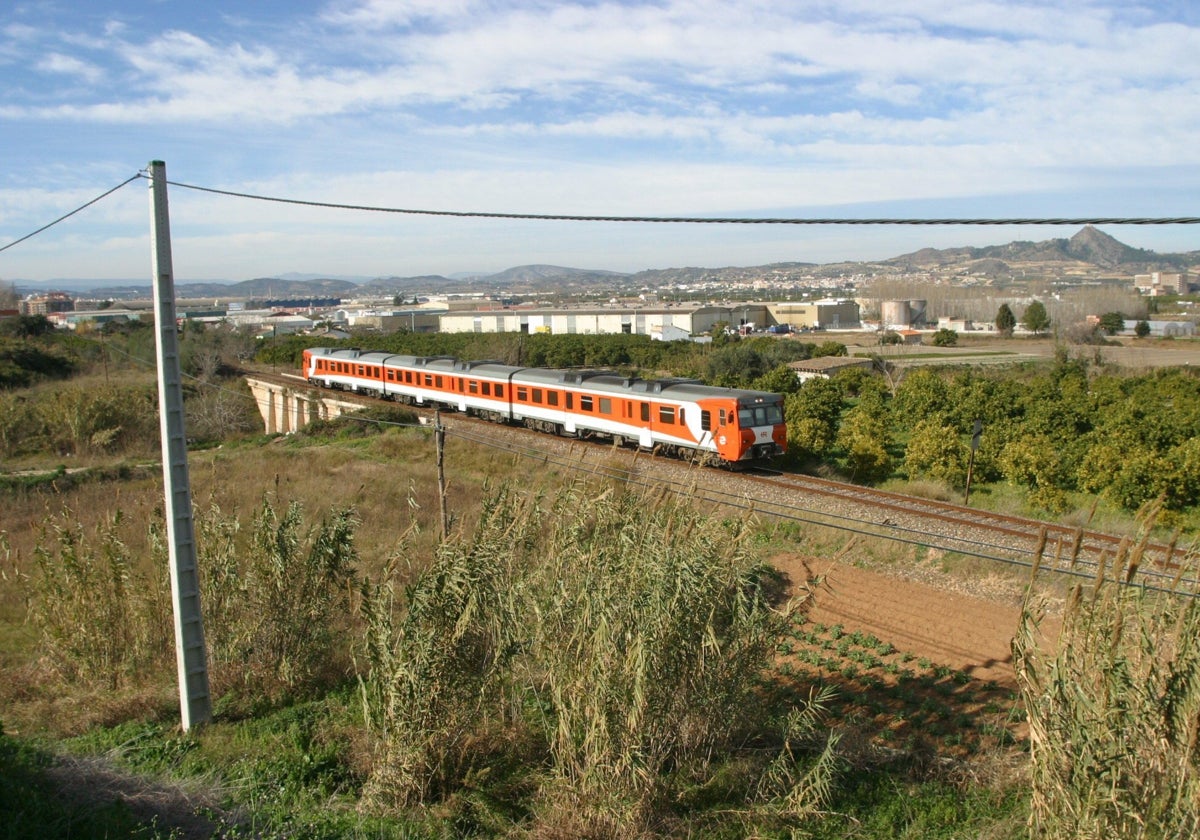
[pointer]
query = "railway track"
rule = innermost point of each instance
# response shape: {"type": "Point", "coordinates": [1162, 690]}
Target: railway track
{"type": "Point", "coordinates": [1069, 549]}
{"type": "Point", "coordinates": [1066, 549]}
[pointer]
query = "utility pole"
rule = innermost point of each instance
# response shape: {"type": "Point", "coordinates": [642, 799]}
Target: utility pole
{"type": "Point", "coordinates": [191, 656]}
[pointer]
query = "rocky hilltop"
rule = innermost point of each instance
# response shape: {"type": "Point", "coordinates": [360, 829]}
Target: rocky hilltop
{"type": "Point", "coordinates": [1089, 246]}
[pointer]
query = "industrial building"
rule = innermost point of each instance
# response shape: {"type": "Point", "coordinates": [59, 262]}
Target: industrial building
{"type": "Point", "coordinates": [667, 323]}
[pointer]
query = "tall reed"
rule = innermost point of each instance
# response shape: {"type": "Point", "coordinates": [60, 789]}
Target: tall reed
{"type": "Point", "coordinates": [653, 628]}
{"type": "Point", "coordinates": [626, 632]}
{"type": "Point", "coordinates": [1114, 711]}
{"type": "Point", "coordinates": [433, 664]}
{"type": "Point", "coordinates": [101, 619]}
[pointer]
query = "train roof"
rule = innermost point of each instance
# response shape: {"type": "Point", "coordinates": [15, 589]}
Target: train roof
{"type": "Point", "coordinates": [604, 381]}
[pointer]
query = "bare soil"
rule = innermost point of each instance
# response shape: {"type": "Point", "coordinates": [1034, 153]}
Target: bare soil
{"type": "Point", "coordinates": [965, 632]}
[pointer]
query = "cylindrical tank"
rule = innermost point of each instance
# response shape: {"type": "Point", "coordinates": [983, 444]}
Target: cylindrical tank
{"type": "Point", "coordinates": [895, 313]}
{"type": "Point", "coordinates": [916, 311]}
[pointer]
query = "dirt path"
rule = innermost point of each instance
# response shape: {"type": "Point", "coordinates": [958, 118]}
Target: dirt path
{"type": "Point", "coordinates": [962, 631]}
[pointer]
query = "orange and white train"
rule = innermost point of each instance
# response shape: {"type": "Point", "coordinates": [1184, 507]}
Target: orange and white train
{"type": "Point", "coordinates": [678, 416]}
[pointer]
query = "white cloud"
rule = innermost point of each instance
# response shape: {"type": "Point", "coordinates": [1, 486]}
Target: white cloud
{"type": "Point", "coordinates": [680, 106]}
{"type": "Point", "coordinates": [70, 66]}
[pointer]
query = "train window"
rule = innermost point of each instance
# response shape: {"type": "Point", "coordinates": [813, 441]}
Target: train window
{"type": "Point", "coordinates": [487, 389]}
{"type": "Point", "coordinates": [437, 382]}
{"type": "Point", "coordinates": [682, 418]}
{"type": "Point", "coordinates": [605, 405]}
{"type": "Point", "coordinates": [646, 412]}
{"type": "Point", "coordinates": [722, 419]}
{"type": "Point", "coordinates": [666, 414]}
{"type": "Point", "coordinates": [585, 402]}
{"type": "Point", "coordinates": [499, 390]}
{"type": "Point", "coordinates": [745, 417]}
{"type": "Point", "coordinates": [428, 379]}
{"type": "Point", "coordinates": [537, 395]}
{"type": "Point", "coordinates": [552, 397]}
{"type": "Point", "coordinates": [774, 415]}
{"type": "Point", "coordinates": [706, 420]}
{"type": "Point", "coordinates": [570, 401]}
{"type": "Point", "coordinates": [472, 386]}
{"type": "Point", "coordinates": [522, 394]}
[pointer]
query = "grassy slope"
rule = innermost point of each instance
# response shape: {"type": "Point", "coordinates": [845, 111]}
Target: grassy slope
{"type": "Point", "coordinates": [298, 769]}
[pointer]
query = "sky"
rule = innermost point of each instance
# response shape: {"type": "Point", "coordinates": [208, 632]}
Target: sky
{"type": "Point", "coordinates": [758, 108]}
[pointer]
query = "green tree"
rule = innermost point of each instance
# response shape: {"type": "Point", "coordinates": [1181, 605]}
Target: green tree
{"type": "Point", "coordinates": [1006, 321]}
{"type": "Point", "coordinates": [1142, 329]}
{"type": "Point", "coordinates": [1035, 318]}
{"type": "Point", "coordinates": [924, 394]}
{"type": "Point", "coordinates": [864, 436]}
{"type": "Point", "coordinates": [780, 379]}
{"type": "Point", "coordinates": [1112, 322]}
{"type": "Point", "coordinates": [26, 326]}
{"type": "Point", "coordinates": [945, 338]}
{"type": "Point", "coordinates": [829, 348]}
{"type": "Point", "coordinates": [937, 451]}
{"type": "Point", "coordinates": [1034, 462]}
{"type": "Point", "coordinates": [812, 414]}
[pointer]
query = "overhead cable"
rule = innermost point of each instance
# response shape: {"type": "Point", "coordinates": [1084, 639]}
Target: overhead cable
{"type": "Point", "coordinates": [72, 213]}
{"type": "Point", "coordinates": [703, 220]}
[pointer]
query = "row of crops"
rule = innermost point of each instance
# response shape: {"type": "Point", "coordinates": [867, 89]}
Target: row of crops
{"type": "Point", "coordinates": [892, 697]}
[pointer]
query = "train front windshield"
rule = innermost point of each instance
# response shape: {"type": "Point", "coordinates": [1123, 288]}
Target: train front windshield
{"type": "Point", "coordinates": [760, 415]}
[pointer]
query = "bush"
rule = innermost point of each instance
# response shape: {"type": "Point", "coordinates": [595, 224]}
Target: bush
{"type": "Point", "coordinates": [625, 633]}
{"type": "Point", "coordinates": [945, 338]}
{"type": "Point", "coordinates": [100, 619]}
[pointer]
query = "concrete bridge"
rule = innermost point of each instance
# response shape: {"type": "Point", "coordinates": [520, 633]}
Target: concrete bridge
{"type": "Point", "coordinates": [288, 408]}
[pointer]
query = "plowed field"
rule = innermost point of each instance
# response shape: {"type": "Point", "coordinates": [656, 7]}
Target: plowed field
{"type": "Point", "coordinates": [965, 632]}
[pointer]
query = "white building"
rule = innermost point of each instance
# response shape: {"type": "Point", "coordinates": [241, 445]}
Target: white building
{"type": "Point", "coordinates": [1161, 282]}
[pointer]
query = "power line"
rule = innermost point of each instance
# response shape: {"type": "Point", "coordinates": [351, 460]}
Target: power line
{"type": "Point", "coordinates": [703, 220]}
{"type": "Point", "coordinates": [105, 194]}
{"type": "Point", "coordinates": [684, 220]}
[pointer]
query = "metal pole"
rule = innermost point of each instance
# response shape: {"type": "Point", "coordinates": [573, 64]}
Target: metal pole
{"type": "Point", "coordinates": [978, 430]}
{"type": "Point", "coordinates": [191, 656]}
{"type": "Point", "coordinates": [439, 437]}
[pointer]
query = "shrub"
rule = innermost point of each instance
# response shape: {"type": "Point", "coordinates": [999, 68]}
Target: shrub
{"type": "Point", "coordinates": [100, 620]}
{"type": "Point", "coordinates": [292, 599]}
{"type": "Point", "coordinates": [430, 667]}
{"type": "Point", "coordinates": [626, 633]}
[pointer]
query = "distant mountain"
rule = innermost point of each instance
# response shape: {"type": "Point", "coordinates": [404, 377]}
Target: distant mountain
{"type": "Point", "coordinates": [403, 285]}
{"type": "Point", "coordinates": [540, 274]}
{"type": "Point", "coordinates": [1089, 245]}
{"type": "Point", "coordinates": [356, 279]}
{"type": "Point", "coordinates": [1089, 252]}
{"type": "Point", "coordinates": [658, 277]}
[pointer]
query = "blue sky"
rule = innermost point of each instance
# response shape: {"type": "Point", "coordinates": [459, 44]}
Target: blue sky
{"type": "Point", "coordinates": [681, 107]}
